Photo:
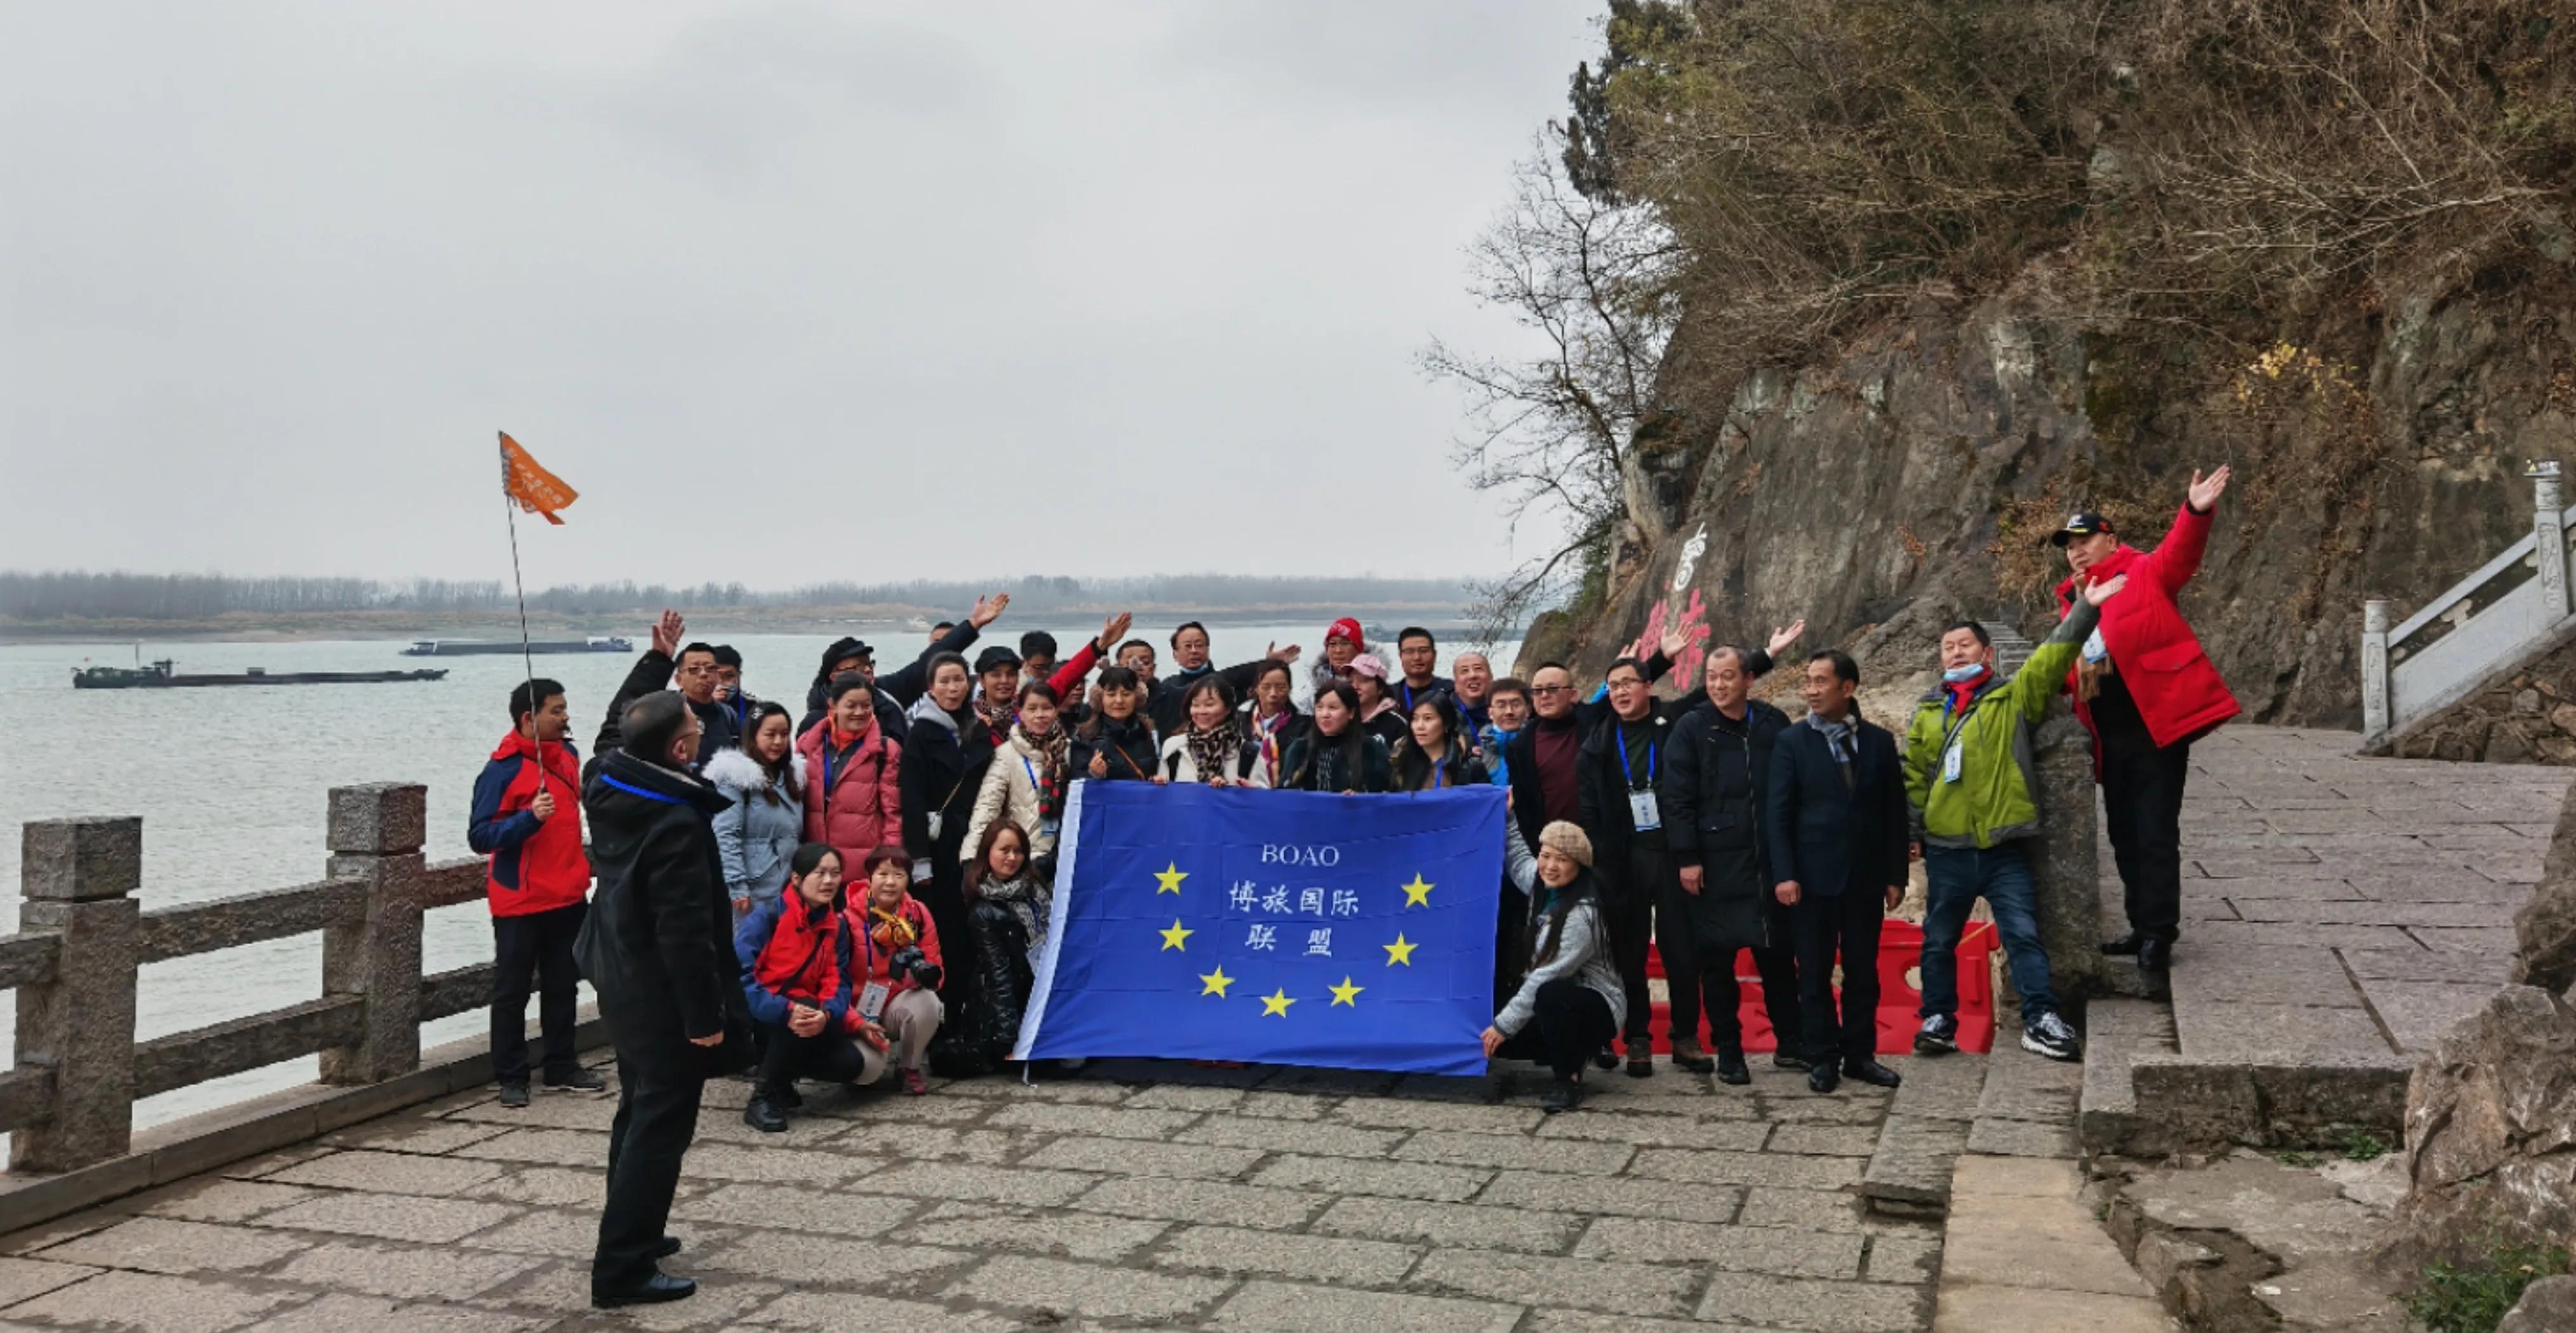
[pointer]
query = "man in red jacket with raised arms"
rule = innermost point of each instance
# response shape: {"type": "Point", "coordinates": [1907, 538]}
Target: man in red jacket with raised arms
{"type": "Point", "coordinates": [2146, 691]}
{"type": "Point", "coordinates": [527, 819]}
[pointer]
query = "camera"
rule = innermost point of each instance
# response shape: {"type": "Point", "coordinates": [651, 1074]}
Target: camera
{"type": "Point", "coordinates": [909, 961]}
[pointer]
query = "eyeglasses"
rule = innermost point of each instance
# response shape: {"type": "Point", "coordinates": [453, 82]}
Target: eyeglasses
{"type": "Point", "coordinates": [1551, 689]}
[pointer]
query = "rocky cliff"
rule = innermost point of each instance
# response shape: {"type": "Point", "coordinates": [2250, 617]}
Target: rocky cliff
{"type": "Point", "coordinates": [1911, 475]}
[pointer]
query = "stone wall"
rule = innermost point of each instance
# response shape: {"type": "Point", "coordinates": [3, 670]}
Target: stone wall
{"type": "Point", "coordinates": [2525, 717]}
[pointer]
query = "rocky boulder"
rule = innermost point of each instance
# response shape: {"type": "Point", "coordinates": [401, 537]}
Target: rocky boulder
{"type": "Point", "coordinates": [2545, 929]}
{"type": "Point", "coordinates": [2491, 1133]}
{"type": "Point", "coordinates": [2547, 1306]}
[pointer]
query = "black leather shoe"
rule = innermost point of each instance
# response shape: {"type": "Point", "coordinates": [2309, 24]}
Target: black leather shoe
{"type": "Point", "coordinates": [1605, 1059]}
{"type": "Point", "coordinates": [670, 1246]}
{"type": "Point", "coordinates": [653, 1290]}
{"type": "Point", "coordinates": [1795, 1064]}
{"type": "Point", "coordinates": [577, 1080]}
{"type": "Point", "coordinates": [2155, 955]}
{"type": "Point", "coordinates": [1562, 1095]}
{"type": "Point", "coordinates": [1871, 1072]}
{"type": "Point", "coordinates": [1731, 1070]}
{"type": "Point", "coordinates": [2123, 946]}
{"type": "Point", "coordinates": [1823, 1079]}
{"type": "Point", "coordinates": [764, 1116]}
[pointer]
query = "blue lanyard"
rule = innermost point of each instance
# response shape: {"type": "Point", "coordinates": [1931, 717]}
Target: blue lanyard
{"type": "Point", "coordinates": [639, 791]}
{"type": "Point", "coordinates": [1439, 776]}
{"type": "Point", "coordinates": [1624, 770]}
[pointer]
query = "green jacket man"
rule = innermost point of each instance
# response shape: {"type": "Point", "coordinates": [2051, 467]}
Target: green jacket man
{"type": "Point", "coordinates": [1985, 794]}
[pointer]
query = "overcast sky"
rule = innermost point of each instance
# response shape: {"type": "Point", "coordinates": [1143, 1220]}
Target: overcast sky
{"type": "Point", "coordinates": [788, 292]}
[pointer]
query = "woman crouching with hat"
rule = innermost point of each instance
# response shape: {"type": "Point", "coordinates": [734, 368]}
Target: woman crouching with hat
{"type": "Point", "coordinates": [1571, 1002]}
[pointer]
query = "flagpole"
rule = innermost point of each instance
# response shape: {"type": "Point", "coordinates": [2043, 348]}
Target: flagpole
{"type": "Point", "coordinates": [527, 654]}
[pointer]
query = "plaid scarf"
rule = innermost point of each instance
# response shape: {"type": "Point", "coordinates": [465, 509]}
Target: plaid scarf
{"type": "Point", "coordinates": [1051, 752]}
{"type": "Point", "coordinates": [997, 715]}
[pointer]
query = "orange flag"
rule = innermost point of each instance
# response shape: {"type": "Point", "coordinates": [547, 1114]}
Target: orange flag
{"type": "Point", "coordinates": [531, 487]}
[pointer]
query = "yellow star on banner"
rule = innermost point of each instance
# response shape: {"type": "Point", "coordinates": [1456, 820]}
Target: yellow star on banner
{"type": "Point", "coordinates": [1277, 1003]}
{"type": "Point", "coordinates": [1169, 878]}
{"type": "Point", "coordinates": [1216, 981]}
{"type": "Point", "coordinates": [1346, 993]}
{"type": "Point", "coordinates": [1417, 893]}
{"type": "Point", "coordinates": [1172, 938]}
{"type": "Point", "coordinates": [1399, 952]}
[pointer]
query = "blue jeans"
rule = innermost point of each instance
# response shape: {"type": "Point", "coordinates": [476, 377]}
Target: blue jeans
{"type": "Point", "coordinates": [1958, 876]}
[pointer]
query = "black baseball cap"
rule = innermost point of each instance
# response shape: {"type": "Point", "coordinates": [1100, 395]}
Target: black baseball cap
{"type": "Point", "coordinates": [995, 656]}
{"type": "Point", "coordinates": [2081, 523]}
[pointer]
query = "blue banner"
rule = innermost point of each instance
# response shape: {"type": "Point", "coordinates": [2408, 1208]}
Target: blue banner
{"type": "Point", "coordinates": [1297, 928]}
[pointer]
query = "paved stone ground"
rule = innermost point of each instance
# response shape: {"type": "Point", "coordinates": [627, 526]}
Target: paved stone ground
{"type": "Point", "coordinates": [1135, 1195]}
{"type": "Point", "coordinates": [2025, 1253]}
{"type": "Point", "coordinates": [2341, 910]}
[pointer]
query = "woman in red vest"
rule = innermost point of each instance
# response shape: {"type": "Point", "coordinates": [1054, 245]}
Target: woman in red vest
{"type": "Point", "coordinates": [2146, 690]}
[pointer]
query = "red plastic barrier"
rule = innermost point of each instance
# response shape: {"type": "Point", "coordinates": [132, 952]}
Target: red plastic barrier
{"type": "Point", "coordinates": [1900, 949]}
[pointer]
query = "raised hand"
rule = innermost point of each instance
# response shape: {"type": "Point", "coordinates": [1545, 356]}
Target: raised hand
{"type": "Point", "coordinates": [988, 609]}
{"type": "Point", "coordinates": [2205, 491]}
{"type": "Point", "coordinates": [1782, 638]}
{"type": "Point", "coordinates": [1674, 642]}
{"type": "Point", "coordinates": [2098, 593]}
{"type": "Point", "coordinates": [1278, 654]}
{"type": "Point", "coordinates": [1114, 629]}
{"type": "Point", "coordinates": [667, 632]}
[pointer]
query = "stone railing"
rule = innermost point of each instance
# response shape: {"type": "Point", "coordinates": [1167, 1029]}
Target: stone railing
{"type": "Point", "coordinates": [68, 1102]}
{"type": "Point", "coordinates": [2482, 624]}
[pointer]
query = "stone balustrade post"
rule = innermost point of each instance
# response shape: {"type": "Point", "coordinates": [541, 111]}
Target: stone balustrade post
{"type": "Point", "coordinates": [376, 832]}
{"type": "Point", "coordinates": [78, 877]}
{"type": "Point", "coordinates": [2549, 540]}
{"type": "Point", "coordinates": [2374, 668]}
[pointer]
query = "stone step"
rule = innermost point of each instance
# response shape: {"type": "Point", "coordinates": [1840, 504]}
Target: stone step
{"type": "Point", "coordinates": [2251, 1243]}
{"type": "Point", "coordinates": [2027, 1108]}
{"type": "Point", "coordinates": [1925, 1131]}
{"type": "Point", "coordinates": [2116, 1030]}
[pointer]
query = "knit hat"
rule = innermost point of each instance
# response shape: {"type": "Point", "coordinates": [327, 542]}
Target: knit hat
{"type": "Point", "coordinates": [1347, 628]}
{"type": "Point", "coordinates": [1366, 664]}
{"type": "Point", "coordinates": [1569, 840]}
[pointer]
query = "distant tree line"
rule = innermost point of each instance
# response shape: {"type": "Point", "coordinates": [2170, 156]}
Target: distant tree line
{"type": "Point", "coordinates": [70, 594]}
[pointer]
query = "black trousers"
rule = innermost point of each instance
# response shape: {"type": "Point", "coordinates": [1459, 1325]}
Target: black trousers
{"type": "Point", "coordinates": [2142, 798]}
{"type": "Point", "coordinates": [829, 1056]}
{"type": "Point", "coordinates": [1647, 906]}
{"type": "Point", "coordinates": [1778, 969]}
{"type": "Point", "coordinates": [1569, 1021]}
{"type": "Point", "coordinates": [657, 1115]}
{"type": "Point", "coordinates": [1511, 923]}
{"type": "Point", "coordinates": [1848, 924]}
{"type": "Point", "coordinates": [534, 952]}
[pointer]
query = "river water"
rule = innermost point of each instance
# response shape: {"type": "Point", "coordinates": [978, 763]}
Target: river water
{"type": "Point", "coordinates": [231, 786]}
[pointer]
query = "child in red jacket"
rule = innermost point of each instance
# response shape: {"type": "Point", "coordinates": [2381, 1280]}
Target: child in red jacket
{"type": "Point", "coordinates": [894, 966]}
{"type": "Point", "coordinates": [527, 819]}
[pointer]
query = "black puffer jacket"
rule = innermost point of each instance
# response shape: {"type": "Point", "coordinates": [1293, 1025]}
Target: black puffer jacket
{"type": "Point", "coordinates": [1711, 790]}
{"type": "Point", "coordinates": [1315, 762]}
{"type": "Point", "coordinates": [658, 944]}
{"type": "Point", "coordinates": [1002, 993]}
{"type": "Point", "coordinates": [1129, 750]}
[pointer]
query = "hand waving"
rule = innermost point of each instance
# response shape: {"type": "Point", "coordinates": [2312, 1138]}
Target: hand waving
{"type": "Point", "coordinates": [2098, 593]}
{"type": "Point", "coordinates": [1782, 638]}
{"type": "Point", "coordinates": [988, 609]}
{"type": "Point", "coordinates": [667, 632]}
{"type": "Point", "coordinates": [1114, 629]}
{"type": "Point", "coordinates": [2205, 491]}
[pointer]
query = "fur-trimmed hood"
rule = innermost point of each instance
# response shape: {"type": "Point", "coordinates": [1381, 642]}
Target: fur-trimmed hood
{"type": "Point", "coordinates": [736, 771]}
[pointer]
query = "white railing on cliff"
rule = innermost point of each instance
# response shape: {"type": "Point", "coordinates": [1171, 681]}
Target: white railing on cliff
{"type": "Point", "coordinates": [2483, 623]}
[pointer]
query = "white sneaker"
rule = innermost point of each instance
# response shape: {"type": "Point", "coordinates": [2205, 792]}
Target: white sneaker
{"type": "Point", "coordinates": [2049, 1035]}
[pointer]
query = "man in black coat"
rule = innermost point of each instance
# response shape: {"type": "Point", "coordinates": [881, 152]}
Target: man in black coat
{"type": "Point", "coordinates": [1838, 829]}
{"type": "Point", "coordinates": [1167, 699]}
{"type": "Point", "coordinates": [695, 667]}
{"type": "Point", "coordinates": [657, 948]}
{"type": "Point", "coordinates": [1542, 756]}
{"type": "Point", "coordinates": [894, 692]}
{"type": "Point", "coordinates": [1714, 776]}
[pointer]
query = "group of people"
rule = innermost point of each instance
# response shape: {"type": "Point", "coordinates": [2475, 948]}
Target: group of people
{"type": "Point", "coordinates": [882, 862]}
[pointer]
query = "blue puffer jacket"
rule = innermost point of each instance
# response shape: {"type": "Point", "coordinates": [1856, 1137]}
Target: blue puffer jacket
{"type": "Point", "coordinates": [758, 834]}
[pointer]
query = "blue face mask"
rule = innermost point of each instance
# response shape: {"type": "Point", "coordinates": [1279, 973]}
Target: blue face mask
{"type": "Point", "coordinates": [1960, 675]}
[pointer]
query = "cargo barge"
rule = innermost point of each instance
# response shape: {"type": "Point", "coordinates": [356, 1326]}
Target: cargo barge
{"type": "Point", "coordinates": [162, 675]}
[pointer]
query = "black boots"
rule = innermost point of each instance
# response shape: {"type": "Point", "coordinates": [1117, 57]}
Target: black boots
{"type": "Point", "coordinates": [653, 1290]}
{"type": "Point", "coordinates": [1731, 1070]}
{"type": "Point", "coordinates": [1871, 1072]}
{"type": "Point", "coordinates": [764, 1113]}
{"type": "Point", "coordinates": [2155, 955]}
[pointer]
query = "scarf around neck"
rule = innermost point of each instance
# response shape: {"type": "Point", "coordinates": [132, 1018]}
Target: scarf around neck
{"type": "Point", "coordinates": [997, 715]}
{"type": "Point", "coordinates": [1050, 753]}
{"type": "Point", "coordinates": [1213, 751]}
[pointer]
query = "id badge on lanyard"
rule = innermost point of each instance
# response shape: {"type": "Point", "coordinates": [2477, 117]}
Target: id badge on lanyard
{"type": "Point", "coordinates": [1643, 811]}
{"type": "Point", "coordinates": [1952, 760]}
{"type": "Point", "coordinates": [872, 1000]}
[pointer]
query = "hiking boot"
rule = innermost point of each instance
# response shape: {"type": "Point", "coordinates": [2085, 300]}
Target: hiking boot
{"type": "Point", "coordinates": [1687, 1055]}
{"type": "Point", "coordinates": [515, 1095]}
{"type": "Point", "coordinates": [763, 1114]}
{"type": "Point", "coordinates": [1562, 1095]}
{"type": "Point", "coordinates": [1731, 1070]}
{"type": "Point", "coordinates": [2049, 1035]}
{"type": "Point", "coordinates": [1641, 1060]}
{"type": "Point", "coordinates": [1940, 1036]}
{"type": "Point", "coordinates": [576, 1079]}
